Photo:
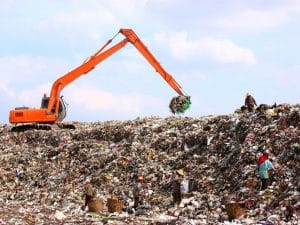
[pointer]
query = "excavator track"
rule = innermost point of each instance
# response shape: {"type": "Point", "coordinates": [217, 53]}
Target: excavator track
{"type": "Point", "coordinates": [25, 127]}
{"type": "Point", "coordinates": [66, 126]}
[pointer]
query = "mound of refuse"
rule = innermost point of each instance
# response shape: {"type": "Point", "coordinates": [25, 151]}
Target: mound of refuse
{"type": "Point", "coordinates": [43, 172]}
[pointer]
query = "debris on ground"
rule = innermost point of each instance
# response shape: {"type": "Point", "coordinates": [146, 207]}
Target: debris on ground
{"type": "Point", "coordinates": [43, 172]}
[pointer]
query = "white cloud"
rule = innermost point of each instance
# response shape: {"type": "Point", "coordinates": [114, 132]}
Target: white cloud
{"type": "Point", "coordinates": [288, 77]}
{"type": "Point", "coordinates": [93, 17]}
{"type": "Point", "coordinates": [95, 100]}
{"type": "Point", "coordinates": [91, 22]}
{"type": "Point", "coordinates": [5, 89]}
{"type": "Point", "coordinates": [193, 75]}
{"type": "Point", "coordinates": [7, 4]}
{"type": "Point", "coordinates": [23, 69]}
{"type": "Point", "coordinates": [251, 19]}
{"type": "Point", "coordinates": [86, 98]}
{"type": "Point", "coordinates": [31, 97]}
{"type": "Point", "coordinates": [220, 50]}
{"type": "Point", "coordinates": [128, 8]}
{"type": "Point", "coordinates": [26, 78]}
{"type": "Point", "coordinates": [291, 5]}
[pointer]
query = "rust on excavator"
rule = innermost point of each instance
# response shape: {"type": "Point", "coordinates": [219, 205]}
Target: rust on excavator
{"type": "Point", "coordinates": [53, 108]}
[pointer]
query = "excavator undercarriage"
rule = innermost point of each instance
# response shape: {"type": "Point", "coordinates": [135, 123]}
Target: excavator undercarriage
{"type": "Point", "coordinates": [39, 126]}
{"type": "Point", "coordinates": [62, 112]}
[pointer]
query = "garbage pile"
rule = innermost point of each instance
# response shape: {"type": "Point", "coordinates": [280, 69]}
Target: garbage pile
{"type": "Point", "coordinates": [43, 173]}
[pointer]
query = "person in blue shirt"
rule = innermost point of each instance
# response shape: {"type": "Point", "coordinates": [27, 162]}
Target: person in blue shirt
{"type": "Point", "coordinates": [264, 165]}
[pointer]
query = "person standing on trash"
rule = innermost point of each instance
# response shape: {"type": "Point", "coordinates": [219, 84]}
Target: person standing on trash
{"type": "Point", "coordinates": [91, 200]}
{"type": "Point", "coordinates": [263, 166]}
{"type": "Point", "coordinates": [180, 186]}
{"type": "Point", "coordinates": [137, 191]}
{"type": "Point", "coordinates": [250, 102]}
{"type": "Point", "coordinates": [176, 188]}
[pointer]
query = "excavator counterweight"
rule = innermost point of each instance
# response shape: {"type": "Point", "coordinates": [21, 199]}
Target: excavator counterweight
{"type": "Point", "coordinates": [53, 109]}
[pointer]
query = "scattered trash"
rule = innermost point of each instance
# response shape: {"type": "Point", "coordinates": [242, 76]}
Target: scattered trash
{"type": "Point", "coordinates": [44, 173]}
{"type": "Point", "coordinates": [58, 215]}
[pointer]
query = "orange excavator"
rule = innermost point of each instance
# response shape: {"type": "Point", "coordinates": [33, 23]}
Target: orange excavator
{"type": "Point", "coordinates": [53, 108]}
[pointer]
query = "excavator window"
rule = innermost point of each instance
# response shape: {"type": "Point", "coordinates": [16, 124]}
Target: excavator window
{"type": "Point", "coordinates": [45, 102]}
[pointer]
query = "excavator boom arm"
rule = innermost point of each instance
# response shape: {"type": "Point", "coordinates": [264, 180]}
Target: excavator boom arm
{"type": "Point", "coordinates": [98, 57]}
{"type": "Point", "coordinates": [86, 67]}
{"type": "Point", "coordinates": [134, 39]}
{"type": "Point", "coordinates": [50, 113]}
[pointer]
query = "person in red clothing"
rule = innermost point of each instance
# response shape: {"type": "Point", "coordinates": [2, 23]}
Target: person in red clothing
{"type": "Point", "coordinates": [250, 102]}
{"type": "Point", "coordinates": [262, 158]}
{"type": "Point", "coordinates": [263, 165]}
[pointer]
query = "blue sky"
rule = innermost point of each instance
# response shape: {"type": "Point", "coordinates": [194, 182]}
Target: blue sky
{"type": "Point", "coordinates": [217, 50]}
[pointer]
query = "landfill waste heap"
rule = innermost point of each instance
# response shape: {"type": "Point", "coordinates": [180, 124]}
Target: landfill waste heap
{"type": "Point", "coordinates": [43, 173]}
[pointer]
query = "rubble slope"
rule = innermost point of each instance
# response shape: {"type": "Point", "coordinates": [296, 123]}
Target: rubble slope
{"type": "Point", "coordinates": [43, 172]}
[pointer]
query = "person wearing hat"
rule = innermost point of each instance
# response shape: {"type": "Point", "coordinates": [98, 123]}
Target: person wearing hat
{"type": "Point", "coordinates": [137, 191]}
{"type": "Point", "coordinates": [263, 166]}
{"type": "Point", "coordinates": [250, 102]}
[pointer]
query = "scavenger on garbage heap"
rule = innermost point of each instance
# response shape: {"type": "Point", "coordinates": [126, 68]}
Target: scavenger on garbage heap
{"type": "Point", "coordinates": [250, 102]}
{"type": "Point", "coordinates": [263, 166]}
{"type": "Point", "coordinates": [180, 186]}
{"type": "Point", "coordinates": [137, 192]}
{"type": "Point", "coordinates": [94, 204]}
{"type": "Point", "coordinates": [176, 187]}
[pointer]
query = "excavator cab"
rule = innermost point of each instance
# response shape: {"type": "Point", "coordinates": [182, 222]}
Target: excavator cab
{"type": "Point", "coordinates": [62, 109]}
{"type": "Point", "coordinates": [45, 102]}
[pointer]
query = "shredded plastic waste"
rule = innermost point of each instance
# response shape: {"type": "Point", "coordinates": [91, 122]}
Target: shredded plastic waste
{"type": "Point", "coordinates": [43, 173]}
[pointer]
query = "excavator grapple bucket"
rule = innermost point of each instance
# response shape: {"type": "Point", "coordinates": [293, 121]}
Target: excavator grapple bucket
{"type": "Point", "coordinates": [180, 104]}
